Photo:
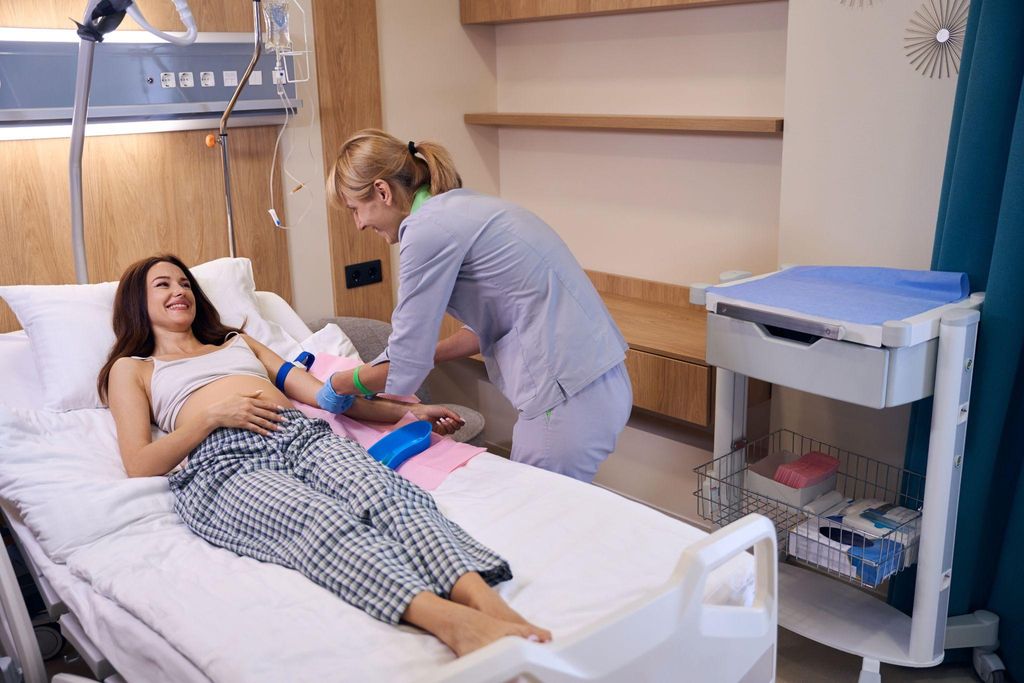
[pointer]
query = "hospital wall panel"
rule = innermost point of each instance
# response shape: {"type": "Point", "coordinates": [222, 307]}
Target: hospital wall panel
{"type": "Point", "coordinates": [142, 194]}
{"type": "Point", "coordinates": [211, 15]}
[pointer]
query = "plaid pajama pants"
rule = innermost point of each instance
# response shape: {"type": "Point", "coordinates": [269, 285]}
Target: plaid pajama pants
{"type": "Point", "coordinates": [312, 501]}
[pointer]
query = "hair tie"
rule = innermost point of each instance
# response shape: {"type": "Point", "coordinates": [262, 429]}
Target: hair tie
{"type": "Point", "coordinates": [412, 148]}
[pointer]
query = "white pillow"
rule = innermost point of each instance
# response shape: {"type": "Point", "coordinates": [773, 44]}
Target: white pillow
{"type": "Point", "coordinates": [330, 340]}
{"type": "Point", "coordinates": [71, 333]}
{"type": "Point", "coordinates": [21, 387]}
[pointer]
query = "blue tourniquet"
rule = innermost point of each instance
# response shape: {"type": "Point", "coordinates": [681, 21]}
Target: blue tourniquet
{"type": "Point", "coordinates": [853, 294]}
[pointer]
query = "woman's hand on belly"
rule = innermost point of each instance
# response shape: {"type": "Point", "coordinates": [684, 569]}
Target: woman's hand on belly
{"type": "Point", "coordinates": [246, 411]}
{"type": "Point", "coordinates": [238, 401]}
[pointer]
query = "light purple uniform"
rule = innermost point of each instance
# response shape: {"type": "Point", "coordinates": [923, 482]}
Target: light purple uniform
{"type": "Point", "coordinates": [547, 339]}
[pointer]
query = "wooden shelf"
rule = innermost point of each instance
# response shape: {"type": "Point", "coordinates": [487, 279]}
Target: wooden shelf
{"type": "Point", "coordinates": [504, 12]}
{"type": "Point", "coordinates": [675, 331]}
{"type": "Point", "coordinates": [762, 125]}
{"type": "Point", "coordinates": [667, 343]}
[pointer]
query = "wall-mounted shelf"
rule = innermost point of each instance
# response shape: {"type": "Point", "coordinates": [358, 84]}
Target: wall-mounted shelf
{"type": "Point", "coordinates": [504, 12]}
{"type": "Point", "coordinates": [759, 125]}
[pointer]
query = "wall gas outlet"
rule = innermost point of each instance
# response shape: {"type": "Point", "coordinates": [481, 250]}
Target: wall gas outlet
{"type": "Point", "coordinates": [359, 274]}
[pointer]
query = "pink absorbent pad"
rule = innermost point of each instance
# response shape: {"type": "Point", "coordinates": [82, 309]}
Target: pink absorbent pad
{"type": "Point", "coordinates": [809, 469]}
{"type": "Point", "coordinates": [428, 469]}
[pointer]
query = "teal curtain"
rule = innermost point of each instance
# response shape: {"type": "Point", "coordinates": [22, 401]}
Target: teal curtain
{"type": "Point", "coordinates": [981, 232]}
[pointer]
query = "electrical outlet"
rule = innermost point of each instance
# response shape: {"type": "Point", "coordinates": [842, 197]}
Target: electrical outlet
{"type": "Point", "coordinates": [366, 273]}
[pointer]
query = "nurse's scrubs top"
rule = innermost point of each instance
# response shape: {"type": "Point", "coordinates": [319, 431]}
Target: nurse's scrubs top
{"type": "Point", "coordinates": [544, 332]}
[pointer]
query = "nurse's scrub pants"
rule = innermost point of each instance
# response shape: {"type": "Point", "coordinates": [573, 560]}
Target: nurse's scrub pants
{"type": "Point", "coordinates": [312, 501]}
{"type": "Point", "coordinates": [575, 437]}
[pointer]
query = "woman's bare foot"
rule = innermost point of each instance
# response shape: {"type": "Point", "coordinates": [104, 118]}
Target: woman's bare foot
{"type": "Point", "coordinates": [471, 590]}
{"type": "Point", "coordinates": [461, 628]}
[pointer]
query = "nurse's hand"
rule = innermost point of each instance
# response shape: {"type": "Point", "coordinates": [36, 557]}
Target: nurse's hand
{"type": "Point", "coordinates": [445, 421]}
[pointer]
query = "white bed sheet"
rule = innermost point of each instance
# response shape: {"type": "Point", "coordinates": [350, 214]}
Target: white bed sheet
{"type": "Point", "coordinates": [578, 553]}
{"type": "Point", "coordinates": [166, 606]}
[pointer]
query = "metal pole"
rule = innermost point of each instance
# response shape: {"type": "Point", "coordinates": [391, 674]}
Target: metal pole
{"type": "Point", "coordinates": [954, 370]}
{"type": "Point", "coordinates": [223, 135]}
{"type": "Point", "coordinates": [86, 49]}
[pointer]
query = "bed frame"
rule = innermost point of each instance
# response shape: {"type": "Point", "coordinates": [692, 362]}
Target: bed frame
{"type": "Point", "coordinates": [655, 638]}
{"type": "Point", "coordinates": [667, 635]}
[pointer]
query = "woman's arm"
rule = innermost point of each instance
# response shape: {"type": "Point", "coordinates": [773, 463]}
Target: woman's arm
{"type": "Point", "coordinates": [462, 344]}
{"type": "Point", "coordinates": [302, 386]}
{"type": "Point", "coordinates": [129, 404]}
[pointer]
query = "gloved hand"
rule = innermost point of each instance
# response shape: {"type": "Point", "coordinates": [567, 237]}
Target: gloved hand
{"type": "Point", "coordinates": [331, 401]}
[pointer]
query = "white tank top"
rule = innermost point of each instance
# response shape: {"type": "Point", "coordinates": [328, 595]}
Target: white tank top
{"type": "Point", "coordinates": [175, 380]}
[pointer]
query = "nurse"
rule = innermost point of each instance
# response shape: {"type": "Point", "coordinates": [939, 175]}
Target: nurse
{"type": "Point", "coordinates": [528, 308]}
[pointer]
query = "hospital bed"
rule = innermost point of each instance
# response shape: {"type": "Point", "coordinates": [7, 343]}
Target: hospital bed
{"type": "Point", "coordinates": [629, 593]}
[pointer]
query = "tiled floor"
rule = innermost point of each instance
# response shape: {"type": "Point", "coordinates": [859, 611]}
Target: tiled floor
{"type": "Point", "coordinates": [803, 661]}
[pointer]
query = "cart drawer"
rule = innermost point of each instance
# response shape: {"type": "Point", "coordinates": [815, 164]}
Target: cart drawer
{"type": "Point", "coordinates": [865, 375]}
{"type": "Point", "coordinates": [670, 387]}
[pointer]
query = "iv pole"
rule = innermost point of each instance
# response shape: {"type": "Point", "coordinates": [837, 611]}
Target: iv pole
{"type": "Point", "coordinates": [222, 137]}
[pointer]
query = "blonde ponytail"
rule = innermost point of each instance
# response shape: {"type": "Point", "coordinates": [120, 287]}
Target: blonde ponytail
{"type": "Point", "coordinates": [372, 155]}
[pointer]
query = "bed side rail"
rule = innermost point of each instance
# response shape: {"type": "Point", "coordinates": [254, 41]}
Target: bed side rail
{"type": "Point", "coordinates": [667, 635]}
{"type": "Point", "coordinates": [17, 637]}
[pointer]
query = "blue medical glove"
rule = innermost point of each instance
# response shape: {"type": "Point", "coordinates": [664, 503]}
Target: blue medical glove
{"type": "Point", "coordinates": [331, 401]}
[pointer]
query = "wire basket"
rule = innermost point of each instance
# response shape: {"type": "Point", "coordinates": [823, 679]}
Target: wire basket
{"type": "Point", "coordinates": [829, 544]}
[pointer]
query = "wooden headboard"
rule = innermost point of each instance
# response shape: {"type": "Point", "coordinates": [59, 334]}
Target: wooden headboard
{"type": "Point", "coordinates": [142, 194]}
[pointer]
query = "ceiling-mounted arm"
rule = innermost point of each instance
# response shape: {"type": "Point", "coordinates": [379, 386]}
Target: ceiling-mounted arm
{"type": "Point", "coordinates": [100, 18]}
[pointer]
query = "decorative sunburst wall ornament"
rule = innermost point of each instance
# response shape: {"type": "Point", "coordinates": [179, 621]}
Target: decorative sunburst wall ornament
{"type": "Point", "coordinates": [935, 37]}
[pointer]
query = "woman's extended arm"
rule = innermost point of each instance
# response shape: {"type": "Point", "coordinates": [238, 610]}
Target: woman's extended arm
{"type": "Point", "coordinates": [461, 344]}
{"type": "Point", "coordinates": [302, 386]}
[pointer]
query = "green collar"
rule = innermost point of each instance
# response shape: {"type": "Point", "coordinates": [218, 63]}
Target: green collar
{"type": "Point", "coordinates": [421, 195]}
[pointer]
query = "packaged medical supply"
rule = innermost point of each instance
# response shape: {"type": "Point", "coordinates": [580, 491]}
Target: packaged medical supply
{"type": "Point", "coordinates": [877, 518]}
{"type": "Point", "coordinates": [807, 470]}
{"type": "Point", "coordinates": [827, 504]}
{"type": "Point", "coordinates": [760, 479]}
{"type": "Point", "coordinates": [834, 548]}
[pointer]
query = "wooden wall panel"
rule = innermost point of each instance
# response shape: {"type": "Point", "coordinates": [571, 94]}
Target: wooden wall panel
{"type": "Point", "coordinates": [348, 79]}
{"type": "Point", "coordinates": [670, 387]}
{"type": "Point", "coordinates": [211, 15]}
{"type": "Point", "coordinates": [142, 194]}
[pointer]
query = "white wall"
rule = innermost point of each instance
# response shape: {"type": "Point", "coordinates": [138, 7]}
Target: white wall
{"type": "Point", "coordinates": [672, 207]}
{"type": "Point", "coordinates": [862, 166]}
{"type": "Point", "coordinates": [865, 139]}
{"type": "Point", "coordinates": [309, 249]}
{"type": "Point", "coordinates": [433, 70]}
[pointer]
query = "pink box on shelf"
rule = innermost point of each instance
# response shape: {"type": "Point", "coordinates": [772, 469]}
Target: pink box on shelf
{"type": "Point", "coordinates": [807, 470]}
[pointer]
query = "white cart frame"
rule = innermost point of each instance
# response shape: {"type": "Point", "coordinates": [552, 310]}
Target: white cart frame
{"type": "Point", "coordinates": [921, 363]}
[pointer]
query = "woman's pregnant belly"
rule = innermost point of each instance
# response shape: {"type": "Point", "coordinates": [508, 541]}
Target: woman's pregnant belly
{"type": "Point", "coordinates": [197, 405]}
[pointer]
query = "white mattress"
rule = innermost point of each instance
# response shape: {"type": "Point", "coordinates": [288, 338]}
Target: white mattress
{"type": "Point", "coordinates": [165, 605]}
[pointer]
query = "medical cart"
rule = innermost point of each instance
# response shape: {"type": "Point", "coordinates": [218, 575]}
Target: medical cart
{"type": "Point", "coordinates": [879, 366]}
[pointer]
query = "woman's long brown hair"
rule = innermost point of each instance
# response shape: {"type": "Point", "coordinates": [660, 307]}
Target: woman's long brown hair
{"type": "Point", "coordinates": [132, 327]}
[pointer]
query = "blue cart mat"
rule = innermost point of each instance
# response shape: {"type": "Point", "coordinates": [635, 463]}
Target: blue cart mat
{"type": "Point", "coordinates": [855, 294]}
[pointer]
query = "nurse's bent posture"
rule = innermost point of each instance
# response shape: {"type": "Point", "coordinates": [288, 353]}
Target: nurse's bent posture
{"type": "Point", "coordinates": [547, 339]}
